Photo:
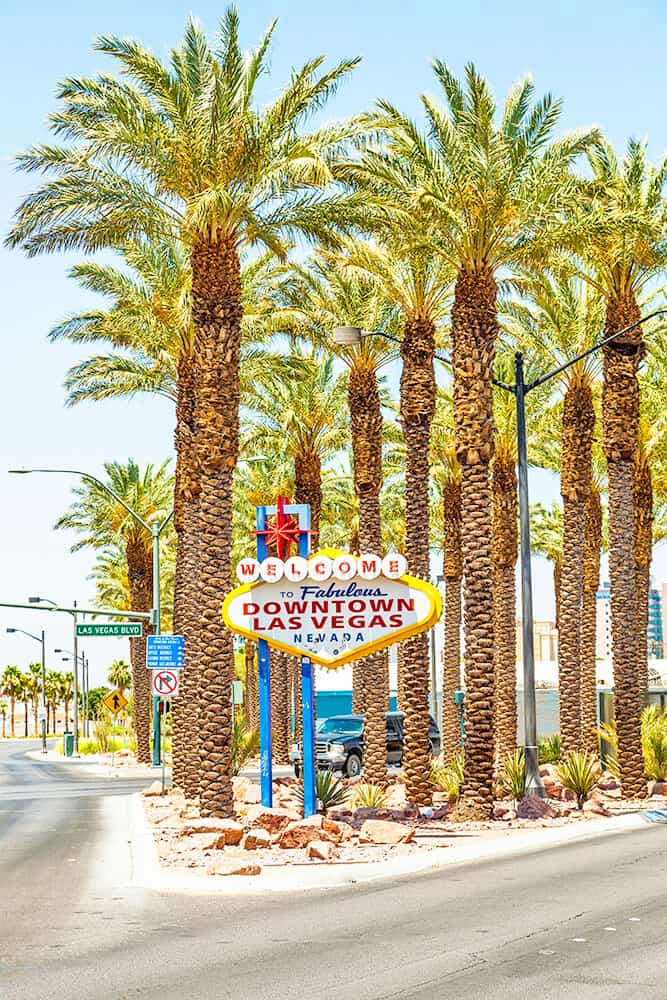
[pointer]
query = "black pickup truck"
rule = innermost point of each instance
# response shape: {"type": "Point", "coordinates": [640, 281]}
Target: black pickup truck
{"type": "Point", "coordinates": [339, 743]}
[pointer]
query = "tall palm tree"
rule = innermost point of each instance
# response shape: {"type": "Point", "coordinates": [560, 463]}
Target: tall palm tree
{"type": "Point", "coordinates": [591, 582]}
{"type": "Point", "coordinates": [103, 522]}
{"type": "Point", "coordinates": [183, 148]}
{"type": "Point", "coordinates": [490, 189]}
{"type": "Point", "coordinates": [66, 682]}
{"type": "Point", "coordinates": [416, 283]}
{"type": "Point", "coordinates": [316, 298]}
{"type": "Point", "coordinates": [564, 320]}
{"type": "Point", "coordinates": [52, 695]}
{"type": "Point", "coordinates": [625, 218]}
{"type": "Point", "coordinates": [546, 536]}
{"type": "Point", "coordinates": [11, 688]}
{"type": "Point", "coordinates": [120, 675]}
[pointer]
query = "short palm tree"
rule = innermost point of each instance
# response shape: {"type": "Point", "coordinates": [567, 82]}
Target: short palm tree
{"type": "Point", "coordinates": [3, 716]}
{"type": "Point", "coordinates": [66, 682]}
{"type": "Point", "coordinates": [103, 522]}
{"type": "Point", "coordinates": [120, 675]}
{"type": "Point", "coordinates": [624, 219]}
{"type": "Point", "coordinates": [52, 696]}
{"type": "Point", "coordinates": [26, 698]}
{"type": "Point", "coordinates": [182, 148]}
{"type": "Point", "coordinates": [11, 688]}
{"type": "Point", "coordinates": [489, 188]}
{"type": "Point", "coordinates": [34, 680]}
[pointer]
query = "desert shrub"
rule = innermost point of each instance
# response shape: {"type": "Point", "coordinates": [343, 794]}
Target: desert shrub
{"type": "Point", "coordinates": [245, 743]}
{"type": "Point", "coordinates": [654, 742]}
{"type": "Point", "coordinates": [369, 796]}
{"type": "Point", "coordinates": [607, 734]}
{"type": "Point", "coordinates": [548, 749]}
{"type": "Point", "coordinates": [103, 732]}
{"type": "Point", "coordinates": [579, 773]}
{"type": "Point", "coordinates": [513, 774]}
{"type": "Point", "coordinates": [330, 791]}
{"type": "Point", "coordinates": [448, 777]}
{"type": "Point", "coordinates": [87, 747]}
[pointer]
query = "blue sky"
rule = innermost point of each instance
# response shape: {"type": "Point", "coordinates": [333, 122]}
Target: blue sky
{"type": "Point", "coordinates": [606, 60]}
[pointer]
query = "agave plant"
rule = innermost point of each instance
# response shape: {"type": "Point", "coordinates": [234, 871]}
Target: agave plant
{"type": "Point", "coordinates": [369, 796]}
{"type": "Point", "coordinates": [579, 772]}
{"type": "Point", "coordinates": [330, 791]}
{"type": "Point", "coordinates": [513, 774]}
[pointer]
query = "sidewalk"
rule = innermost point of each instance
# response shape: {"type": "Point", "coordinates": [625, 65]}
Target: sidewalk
{"type": "Point", "coordinates": [481, 846]}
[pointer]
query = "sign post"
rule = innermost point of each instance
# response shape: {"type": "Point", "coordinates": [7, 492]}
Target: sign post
{"type": "Point", "coordinates": [264, 684]}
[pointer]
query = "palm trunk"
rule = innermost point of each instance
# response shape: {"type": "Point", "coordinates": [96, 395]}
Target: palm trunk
{"type": "Point", "coordinates": [279, 707]}
{"type": "Point", "coordinates": [140, 579]}
{"type": "Point", "coordinates": [643, 532]}
{"type": "Point", "coordinates": [418, 395]}
{"type": "Point", "coordinates": [308, 489]}
{"type": "Point", "coordinates": [216, 312]}
{"type": "Point", "coordinates": [186, 762]}
{"type": "Point", "coordinates": [589, 694]}
{"type": "Point", "coordinates": [620, 407]}
{"type": "Point", "coordinates": [26, 706]}
{"type": "Point", "coordinates": [505, 518]}
{"type": "Point", "coordinates": [474, 334]}
{"type": "Point", "coordinates": [12, 709]}
{"type": "Point", "coordinates": [557, 575]}
{"type": "Point", "coordinates": [370, 675]}
{"type": "Point", "coordinates": [451, 657]}
{"type": "Point", "coordinates": [34, 714]}
{"type": "Point", "coordinates": [576, 472]}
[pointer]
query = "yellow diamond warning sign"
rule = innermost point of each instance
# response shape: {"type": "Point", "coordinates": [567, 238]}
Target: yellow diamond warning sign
{"type": "Point", "coordinates": [115, 701]}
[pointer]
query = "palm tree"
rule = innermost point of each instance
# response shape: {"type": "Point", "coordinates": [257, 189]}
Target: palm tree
{"type": "Point", "coordinates": [3, 715]}
{"type": "Point", "coordinates": [416, 283]}
{"type": "Point", "coordinates": [625, 226]}
{"type": "Point", "coordinates": [52, 695]}
{"type": "Point", "coordinates": [591, 582]}
{"type": "Point", "coordinates": [317, 297]}
{"type": "Point", "coordinates": [120, 675]}
{"type": "Point", "coordinates": [34, 679]}
{"type": "Point", "coordinates": [564, 320]}
{"type": "Point", "coordinates": [11, 688]}
{"type": "Point", "coordinates": [66, 682]}
{"type": "Point", "coordinates": [26, 697]}
{"type": "Point", "coordinates": [546, 536]}
{"type": "Point", "coordinates": [103, 522]}
{"type": "Point", "coordinates": [489, 191]}
{"type": "Point", "coordinates": [183, 149]}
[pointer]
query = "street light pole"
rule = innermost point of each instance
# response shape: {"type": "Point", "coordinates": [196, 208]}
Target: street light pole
{"type": "Point", "coordinates": [42, 640]}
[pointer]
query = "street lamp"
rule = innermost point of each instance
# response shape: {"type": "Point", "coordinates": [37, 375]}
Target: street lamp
{"type": "Point", "coordinates": [42, 641]}
{"type": "Point", "coordinates": [350, 335]}
{"type": "Point", "coordinates": [75, 639]}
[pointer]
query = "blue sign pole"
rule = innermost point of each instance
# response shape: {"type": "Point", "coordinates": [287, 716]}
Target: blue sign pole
{"type": "Point", "coordinates": [307, 692]}
{"type": "Point", "coordinates": [264, 686]}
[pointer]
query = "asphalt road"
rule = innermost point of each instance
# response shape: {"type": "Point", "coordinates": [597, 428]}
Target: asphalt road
{"type": "Point", "coordinates": [586, 920]}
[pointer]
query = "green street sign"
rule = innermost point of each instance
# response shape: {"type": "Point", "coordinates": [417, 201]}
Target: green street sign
{"type": "Point", "coordinates": [134, 629]}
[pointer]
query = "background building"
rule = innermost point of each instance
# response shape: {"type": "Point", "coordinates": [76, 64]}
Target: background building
{"type": "Point", "coordinates": [657, 625]}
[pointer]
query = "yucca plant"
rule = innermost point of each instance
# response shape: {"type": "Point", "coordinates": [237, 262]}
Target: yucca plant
{"type": "Point", "coordinates": [513, 774]}
{"type": "Point", "coordinates": [607, 734]}
{"type": "Point", "coordinates": [654, 742]}
{"type": "Point", "coordinates": [370, 796]}
{"type": "Point", "coordinates": [448, 777]}
{"type": "Point", "coordinates": [549, 750]}
{"type": "Point", "coordinates": [330, 791]}
{"type": "Point", "coordinates": [579, 773]}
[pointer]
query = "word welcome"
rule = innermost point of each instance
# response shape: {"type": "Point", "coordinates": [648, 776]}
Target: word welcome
{"type": "Point", "coordinates": [322, 567]}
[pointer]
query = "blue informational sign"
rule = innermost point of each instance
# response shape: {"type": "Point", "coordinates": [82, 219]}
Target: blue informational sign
{"type": "Point", "coordinates": [165, 652]}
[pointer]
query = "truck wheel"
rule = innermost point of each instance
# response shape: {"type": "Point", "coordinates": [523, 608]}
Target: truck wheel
{"type": "Point", "coordinates": [297, 771]}
{"type": "Point", "coordinates": [353, 766]}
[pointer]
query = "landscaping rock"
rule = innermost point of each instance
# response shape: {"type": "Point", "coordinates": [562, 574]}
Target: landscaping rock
{"type": "Point", "coordinates": [382, 831]}
{"type": "Point", "coordinates": [503, 811]}
{"type": "Point", "coordinates": [659, 788]}
{"type": "Point", "coordinates": [346, 831]}
{"type": "Point", "coordinates": [274, 820]}
{"type": "Point", "coordinates": [234, 868]}
{"type": "Point", "coordinates": [257, 839]}
{"type": "Point", "coordinates": [596, 807]}
{"type": "Point", "coordinates": [153, 790]}
{"type": "Point", "coordinates": [533, 807]}
{"type": "Point", "coordinates": [228, 830]}
{"type": "Point", "coordinates": [320, 850]}
{"type": "Point", "coordinates": [303, 831]}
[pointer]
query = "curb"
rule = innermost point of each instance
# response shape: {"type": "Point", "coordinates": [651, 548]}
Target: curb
{"type": "Point", "coordinates": [150, 875]}
{"type": "Point", "coordinates": [94, 766]}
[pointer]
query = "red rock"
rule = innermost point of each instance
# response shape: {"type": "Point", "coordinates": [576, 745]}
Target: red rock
{"type": "Point", "coordinates": [549, 771]}
{"type": "Point", "coordinates": [234, 868]}
{"type": "Point", "coordinates": [382, 831]}
{"type": "Point", "coordinates": [659, 788]}
{"type": "Point", "coordinates": [346, 831]}
{"type": "Point", "coordinates": [228, 830]}
{"type": "Point", "coordinates": [595, 807]}
{"type": "Point", "coordinates": [533, 807]}
{"type": "Point", "coordinates": [256, 839]}
{"type": "Point", "coordinates": [274, 820]}
{"type": "Point", "coordinates": [303, 831]}
{"type": "Point", "coordinates": [320, 850]}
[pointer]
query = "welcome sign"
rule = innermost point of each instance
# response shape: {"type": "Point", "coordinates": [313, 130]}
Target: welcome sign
{"type": "Point", "coordinates": [333, 608]}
